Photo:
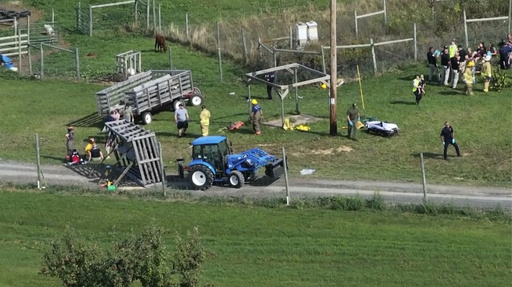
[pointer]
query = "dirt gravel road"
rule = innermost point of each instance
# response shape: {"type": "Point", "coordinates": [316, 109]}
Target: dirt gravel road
{"type": "Point", "coordinates": [299, 187]}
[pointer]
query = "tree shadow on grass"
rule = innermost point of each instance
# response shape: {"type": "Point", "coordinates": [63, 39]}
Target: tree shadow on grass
{"type": "Point", "coordinates": [92, 120]}
{"type": "Point", "coordinates": [402, 102]}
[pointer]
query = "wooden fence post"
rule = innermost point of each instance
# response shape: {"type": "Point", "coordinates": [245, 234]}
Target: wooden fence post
{"type": "Point", "coordinates": [77, 64]}
{"type": "Point", "coordinates": [373, 56]}
{"type": "Point", "coordinates": [147, 15]}
{"type": "Point", "coordinates": [415, 45]}
{"type": "Point", "coordinates": [19, 54]}
{"type": "Point", "coordinates": [186, 24]}
{"type": "Point", "coordinates": [355, 23]}
{"type": "Point", "coordinates": [29, 60]}
{"type": "Point", "coordinates": [78, 16]}
{"type": "Point", "coordinates": [90, 21]}
{"type": "Point", "coordinates": [423, 179]}
{"type": "Point", "coordinates": [219, 51]}
{"type": "Point", "coordinates": [244, 41]}
{"type": "Point", "coordinates": [286, 178]}
{"type": "Point", "coordinates": [42, 60]}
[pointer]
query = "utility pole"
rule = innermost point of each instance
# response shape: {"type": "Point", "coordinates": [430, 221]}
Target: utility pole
{"type": "Point", "coordinates": [333, 130]}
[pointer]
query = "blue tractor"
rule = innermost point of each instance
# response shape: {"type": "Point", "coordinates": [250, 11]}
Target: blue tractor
{"type": "Point", "coordinates": [213, 161]}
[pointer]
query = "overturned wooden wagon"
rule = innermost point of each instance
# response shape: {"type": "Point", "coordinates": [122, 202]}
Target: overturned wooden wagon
{"type": "Point", "coordinates": [150, 92]}
{"type": "Point", "coordinates": [137, 153]}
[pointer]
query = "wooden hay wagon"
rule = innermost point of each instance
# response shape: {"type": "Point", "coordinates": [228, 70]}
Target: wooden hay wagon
{"type": "Point", "coordinates": [150, 92]}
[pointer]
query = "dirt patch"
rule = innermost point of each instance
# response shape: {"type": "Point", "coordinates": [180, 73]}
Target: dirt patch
{"type": "Point", "coordinates": [329, 151]}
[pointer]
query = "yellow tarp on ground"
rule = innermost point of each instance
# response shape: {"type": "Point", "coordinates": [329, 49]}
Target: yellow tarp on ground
{"type": "Point", "coordinates": [290, 127]}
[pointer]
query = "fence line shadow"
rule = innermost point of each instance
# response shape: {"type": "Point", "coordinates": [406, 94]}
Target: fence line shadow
{"type": "Point", "coordinates": [92, 120]}
{"type": "Point", "coordinates": [429, 155]}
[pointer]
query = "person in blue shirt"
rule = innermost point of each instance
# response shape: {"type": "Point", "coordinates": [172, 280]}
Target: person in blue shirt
{"type": "Point", "coordinates": [256, 116]}
{"type": "Point", "coordinates": [6, 62]}
{"type": "Point", "coordinates": [271, 78]}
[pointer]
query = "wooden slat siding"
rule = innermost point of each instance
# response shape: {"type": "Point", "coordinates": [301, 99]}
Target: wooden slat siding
{"type": "Point", "coordinates": [138, 156]}
{"type": "Point", "coordinates": [151, 161]}
{"type": "Point", "coordinates": [143, 157]}
{"type": "Point", "coordinates": [148, 166]}
{"type": "Point", "coordinates": [151, 83]}
{"type": "Point", "coordinates": [152, 144]}
{"type": "Point", "coordinates": [112, 95]}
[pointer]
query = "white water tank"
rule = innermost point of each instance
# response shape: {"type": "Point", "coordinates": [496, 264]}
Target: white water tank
{"type": "Point", "coordinates": [312, 30]}
{"type": "Point", "coordinates": [301, 33]}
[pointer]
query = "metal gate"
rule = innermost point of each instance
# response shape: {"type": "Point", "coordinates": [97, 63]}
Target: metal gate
{"type": "Point", "coordinates": [82, 19]}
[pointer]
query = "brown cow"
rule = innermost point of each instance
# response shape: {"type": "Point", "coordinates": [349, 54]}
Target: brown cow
{"type": "Point", "coordinates": [160, 43]}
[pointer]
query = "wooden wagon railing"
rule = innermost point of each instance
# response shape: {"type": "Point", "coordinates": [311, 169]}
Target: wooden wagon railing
{"type": "Point", "coordinates": [136, 152]}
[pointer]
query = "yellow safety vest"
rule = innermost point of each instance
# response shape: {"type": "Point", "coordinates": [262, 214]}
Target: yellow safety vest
{"type": "Point", "coordinates": [415, 85]}
{"type": "Point", "coordinates": [453, 50]}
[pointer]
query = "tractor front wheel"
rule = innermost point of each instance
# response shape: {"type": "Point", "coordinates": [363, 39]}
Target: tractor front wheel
{"type": "Point", "coordinates": [201, 177]}
{"type": "Point", "coordinates": [236, 179]}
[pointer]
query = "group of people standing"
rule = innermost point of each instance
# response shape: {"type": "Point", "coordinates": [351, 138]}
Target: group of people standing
{"type": "Point", "coordinates": [454, 60]}
{"type": "Point", "coordinates": [181, 118]}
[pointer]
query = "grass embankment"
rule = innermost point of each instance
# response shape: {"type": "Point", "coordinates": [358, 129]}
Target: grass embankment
{"type": "Point", "coordinates": [256, 246]}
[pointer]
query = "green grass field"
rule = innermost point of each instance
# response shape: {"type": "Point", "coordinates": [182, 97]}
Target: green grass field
{"type": "Point", "coordinates": [256, 246]}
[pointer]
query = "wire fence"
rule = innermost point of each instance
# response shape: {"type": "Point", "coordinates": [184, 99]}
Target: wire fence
{"type": "Point", "coordinates": [46, 60]}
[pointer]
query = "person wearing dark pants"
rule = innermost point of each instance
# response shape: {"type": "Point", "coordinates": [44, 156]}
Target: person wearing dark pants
{"type": "Point", "coordinates": [352, 119]}
{"type": "Point", "coordinates": [181, 118]}
{"type": "Point", "coordinates": [271, 78]}
{"type": "Point", "coordinates": [417, 89]}
{"type": "Point", "coordinates": [447, 138]}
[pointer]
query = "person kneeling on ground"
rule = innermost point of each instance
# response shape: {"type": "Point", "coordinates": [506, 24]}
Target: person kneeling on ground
{"type": "Point", "coordinates": [95, 153]}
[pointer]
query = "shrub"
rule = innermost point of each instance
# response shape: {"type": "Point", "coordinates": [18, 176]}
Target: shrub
{"type": "Point", "coordinates": [137, 258]}
{"type": "Point", "coordinates": [500, 80]}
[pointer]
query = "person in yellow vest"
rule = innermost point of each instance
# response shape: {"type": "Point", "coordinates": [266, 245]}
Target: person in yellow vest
{"type": "Point", "coordinates": [487, 72]}
{"type": "Point", "coordinates": [468, 77]}
{"type": "Point", "coordinates": [416, 89]}
{"type": "Point", "coordinates": [453, 48]}
{"type": "Point", "coordinates": [204, 118]}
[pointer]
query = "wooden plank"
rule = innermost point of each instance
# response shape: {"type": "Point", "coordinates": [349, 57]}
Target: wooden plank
{"type": "Point", "coordinates": [16, 43]}
{"type": "Point", "coordinates": [137, 156]}
{"type": "Point", "coordinates": [150, 159]}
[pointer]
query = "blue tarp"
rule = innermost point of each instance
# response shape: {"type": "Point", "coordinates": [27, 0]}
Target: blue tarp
{"type": "Point", "coordinates": [7, 62]}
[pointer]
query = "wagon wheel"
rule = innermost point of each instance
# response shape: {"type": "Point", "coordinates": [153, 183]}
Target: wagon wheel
{"type": "Point", "coordinates": [196, 90]}
{"type": "Point", "coordinates": [147, 118]}
{"type": "Point", "coordinates": [196, 100]}
{"type": "Point", "coordinates": [176, 104]}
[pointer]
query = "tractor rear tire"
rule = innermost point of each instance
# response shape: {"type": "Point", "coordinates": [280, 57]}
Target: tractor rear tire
{"type": "Point", "coordinates": [201, 177]}
{"type": "Point", "coordinates": [236, 179]}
